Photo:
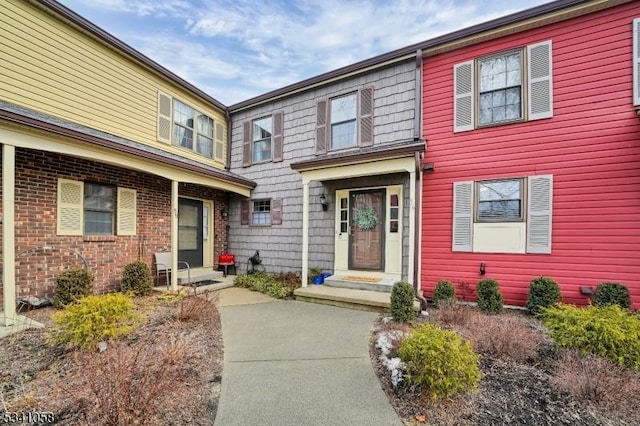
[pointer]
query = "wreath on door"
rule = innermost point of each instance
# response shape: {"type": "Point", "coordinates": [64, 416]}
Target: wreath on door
{"type": "Point", "coordinates": [366, 218]}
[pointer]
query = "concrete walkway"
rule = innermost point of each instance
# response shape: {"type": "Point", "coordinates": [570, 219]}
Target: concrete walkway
{"type": "Point", "coordinates": [295, 363]}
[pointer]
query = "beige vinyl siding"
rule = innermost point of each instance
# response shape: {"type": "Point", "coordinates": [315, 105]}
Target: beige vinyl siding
{"type": "Point", "coordinates": [51, 67]}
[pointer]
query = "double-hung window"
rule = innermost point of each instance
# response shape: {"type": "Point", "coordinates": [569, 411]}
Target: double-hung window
{"type": "Point", "coordinates": [499, 200]}
{"type": "Point", "coordinates": [343, 122]}
{"type": "Point", "coordinates": [99, 208]}
{"type": "Point", "coordinates": [261, 140]}
{"type": "Point", "coordinates": [261, 212]}
{"type": "Point", "coordinates": [500, 89]}
{"type": "Point", "coordinates": [506, 87]}
{"type": "Point", "coordinates": [181, 125]}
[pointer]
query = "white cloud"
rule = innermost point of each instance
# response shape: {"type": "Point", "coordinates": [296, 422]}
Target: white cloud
{"type": "Point", "coordinates": [242, 48]}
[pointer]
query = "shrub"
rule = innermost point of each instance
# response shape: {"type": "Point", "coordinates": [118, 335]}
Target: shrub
{"type": "Point", "coordinates": [272, 285]}
{"type": "Point", "coordinates": [451, 313]}
{"type": "Point", "coordinates": [402, 302]}
{"type": "Point", "coordinates": [136, 278]}
{"type": "Point", "coordinates": [444, 291]}
{"type": "Point", "coordinates": [489, 297]}
{"type": "Point", "coordinates": [543, 292]}
{"type": "Point", "coordinates": [196, 308]}
{"type": "Point", "coordinates": [128, 386]}
{"type": "Point", "coordinates": [92, 319]}
{"type": "Point", "coordinates": [599, 382]}
{"type": "Point", "coordinates": [439, 361]}
{"type": "Point", "coordinates": [507, 337]}
{"type": "Point", "coordinates": [611, 293]}
{"type": "Point", "coordinates": [72, 284]}
{"type": "Point", "coordinates": [608, 331]}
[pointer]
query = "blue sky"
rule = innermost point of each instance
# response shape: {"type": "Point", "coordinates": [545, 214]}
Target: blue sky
{"type": "Point", "coordinates": [238, 49]}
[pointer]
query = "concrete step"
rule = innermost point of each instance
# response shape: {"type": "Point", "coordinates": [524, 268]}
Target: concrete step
{"type": "Point", "coordinates": [198, 275]}
{"type": "Point", "coordinates": [385, 285]}
{"type": "Point", "coordinates": [376, 301]}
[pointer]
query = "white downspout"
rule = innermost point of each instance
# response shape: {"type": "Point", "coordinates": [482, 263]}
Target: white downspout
{"type": "Point", "coordinates": [412, 226]}
{"type": "Point", "coordinates": [174, 235]}
{"type": "Point", "coordinates": [9, 233]}
{"type": "Point", "coordinates": [305, 233]}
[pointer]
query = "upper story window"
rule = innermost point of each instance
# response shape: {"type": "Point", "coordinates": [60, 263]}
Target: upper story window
{"type": "Point", "coordinates": [183, 126]}
{"type": "Point", "coordinates": [261, 140]}
{"type": "Point", "coordinates": [500, 91]}
{"type": "Point", "coordinates": [492, 90]}
{"type": "Point", "coordinates": [343, 122]}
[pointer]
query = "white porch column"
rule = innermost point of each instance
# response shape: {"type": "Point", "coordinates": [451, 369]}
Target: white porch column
{"type": "Point", "coordinates": [8, 233]}
{"type": "Point", "coordinates": [305, 233]}
{"type": "Point", "coordinates": [174, 235]}
{"type": "Point", "coordinates": [412, 225]}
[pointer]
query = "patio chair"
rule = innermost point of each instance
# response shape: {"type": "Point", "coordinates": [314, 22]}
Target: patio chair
{"type": "Point", "coordinates": [163, 266]}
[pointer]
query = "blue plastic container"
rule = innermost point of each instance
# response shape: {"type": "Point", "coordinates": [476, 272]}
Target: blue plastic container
{"type": "Point", "coordinates": [318, 280]}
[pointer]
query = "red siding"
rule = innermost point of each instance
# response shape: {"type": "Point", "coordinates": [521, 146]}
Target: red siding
{"type": "Point", "coordinates": [591, 146]}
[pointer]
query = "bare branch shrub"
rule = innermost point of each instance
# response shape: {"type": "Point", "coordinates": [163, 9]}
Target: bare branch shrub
{"type": "Point", "coordinates": [125, 386]}
{"type": "Point", "coordinates": [196, 308]}
{"type": "Point", "coordinates": [452, 313]}
{"type": "Point", "coordinates": [506, 336]}
{"type": "Point", "coordinates": [598, 382]}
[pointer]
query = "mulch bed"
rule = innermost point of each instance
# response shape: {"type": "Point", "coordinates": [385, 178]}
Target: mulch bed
{"type": "Point", "coordinates": [36, 376]}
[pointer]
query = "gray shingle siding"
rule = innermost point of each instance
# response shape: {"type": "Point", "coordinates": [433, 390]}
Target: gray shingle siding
{"type": "Point", "coordinates": [281, 245]}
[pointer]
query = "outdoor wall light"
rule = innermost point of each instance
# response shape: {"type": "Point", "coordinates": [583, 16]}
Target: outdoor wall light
{"type": "Point", "coordinates": [324, 203]}
{"type": "Point", "coordinates": [224, 213]}
{"type": "Point", "coordinates": [483, 268]}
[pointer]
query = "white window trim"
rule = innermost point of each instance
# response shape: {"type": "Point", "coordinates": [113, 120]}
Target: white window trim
{"type": "Point", "coordinates": [538, 197]}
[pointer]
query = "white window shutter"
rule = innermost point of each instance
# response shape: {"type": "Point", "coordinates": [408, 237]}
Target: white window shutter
{"type": "Point", "coordinates": [636, 62]}
{"type": "Point", "coordinates": [462, 216]}
{"type": "Point", "coordinates": [540, 81]}
{"type": "Point", "coordinates": [127, 200]}
{"type": "Point", "coordinates": [70, 207]}
{"type": "Point", "coordinates": [463, 91]}
{"type": "Point", "coordinates": [164, 117]}
{"type": "Point", "coordinates": [539, 213]}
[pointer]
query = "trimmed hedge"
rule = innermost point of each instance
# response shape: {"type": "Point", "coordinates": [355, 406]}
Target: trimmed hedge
{"type": "Point", "coordinates": [610, 294]}
{"type": "Point", "coordinates": [71, 285]}
{"type": "Point", "coordinates": [444, 291]}
{"type": "Point", "coordinates": [489, 298]}
{"type": "Point", "coordinates": [402, 302]}
{"type": "Point", "coordinates": [543, 292]}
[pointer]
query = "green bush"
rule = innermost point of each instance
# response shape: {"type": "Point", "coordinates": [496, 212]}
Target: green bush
{"type": "Point", "coordinates": [489, 297]}
{"type": "Point", "coordinates": [136, 278]}
{"type": "Point", "coordinates": [402, 302]}
{"type": "Point", "coordinates": [439, 361]}
{"type": "Point", "coordinates": [444, 291]}
{"type": "Point", "coordinates": [278, 286]}
{"type": "Point", "coordinates": [92, 319]}
{"type": "Point", "coordinates": [609, 331]}
{"type": "Point", "coordinates": [543, 292]}
{"type": "Point", "coordinates": [72, 284]}
{"type": "Point", "coordinates": [611, 293]}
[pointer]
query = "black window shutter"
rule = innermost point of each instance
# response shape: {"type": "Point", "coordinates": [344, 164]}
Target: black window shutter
{"type": "Point", "coordinates": [366, 117]}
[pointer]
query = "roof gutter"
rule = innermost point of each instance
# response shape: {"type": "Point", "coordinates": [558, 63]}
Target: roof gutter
{"type": "Point", "coordinates": [15, 118]}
